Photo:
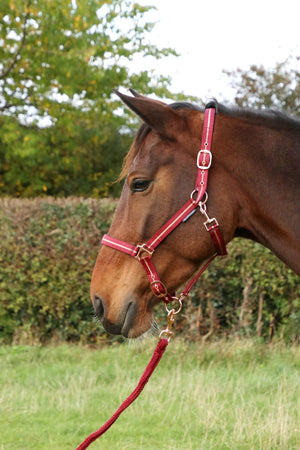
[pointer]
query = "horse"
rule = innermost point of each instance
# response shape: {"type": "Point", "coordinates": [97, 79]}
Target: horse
{"type": "Point", "coordinates": [253, 190]}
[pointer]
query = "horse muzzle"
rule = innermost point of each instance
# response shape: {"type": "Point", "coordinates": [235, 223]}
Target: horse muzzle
{"type": "Point", "coordinates": [124, 323]}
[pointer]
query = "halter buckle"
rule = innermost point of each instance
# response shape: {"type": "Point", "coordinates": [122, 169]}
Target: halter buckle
{"type": "Point", "coordinates": [203, 165]}
{"type": "Point", "coordinates": [208, 224]}
{"type": "Point", "coordinates": [155, 285]}
{"type": "Point", "coordinates": [142, 248]}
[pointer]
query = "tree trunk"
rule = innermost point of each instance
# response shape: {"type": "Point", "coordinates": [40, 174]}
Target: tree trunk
{"type": "Point", "coordinates": [259, 322]}
{"type": "Point", "coordinates": [213, 321]}
{"type": "Point", "coordinates": [246, 308]}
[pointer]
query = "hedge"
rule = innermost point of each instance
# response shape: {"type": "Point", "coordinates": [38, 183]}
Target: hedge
{"type": "Point", "coordinates": [47, 255]}
{"type": "Point", "coordinates": [48, 250]}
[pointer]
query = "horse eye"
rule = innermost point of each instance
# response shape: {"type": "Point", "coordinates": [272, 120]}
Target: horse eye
{"type": "Point", "coordinates": [139, 185]}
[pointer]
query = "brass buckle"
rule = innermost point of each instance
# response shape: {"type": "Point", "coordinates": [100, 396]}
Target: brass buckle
{"type": "Point", "coordinates": [142, 248]}
{"type": "Point", "coordinates": [162, 294]}
{"type": "Point", "coordinates": [208, 224]}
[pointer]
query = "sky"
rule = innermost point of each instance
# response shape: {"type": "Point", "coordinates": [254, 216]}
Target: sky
{"type": "Point", "coordinates": [217, 35]}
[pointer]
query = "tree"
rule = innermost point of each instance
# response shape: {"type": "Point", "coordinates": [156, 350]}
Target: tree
{"type": "Point", "coordinates": [278, 87]}
{"type": "Point", "coordinates": [62, 52]}
{"type": "Point", "coordinates": [59, 64]}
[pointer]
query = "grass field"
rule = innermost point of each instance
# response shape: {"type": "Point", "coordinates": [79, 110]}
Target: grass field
{"type": "Point", "coordinates": [226, 395]}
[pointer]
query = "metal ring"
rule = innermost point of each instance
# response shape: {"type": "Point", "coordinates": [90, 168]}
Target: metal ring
{"type": "Point", "coordinates": [179, 300]}
{"type": "Point", "coordinates": [205, 199]}
{"type": "Point", "coordinates": [192, 196]}
{"type": "Point", "coordinates": [194, 201]}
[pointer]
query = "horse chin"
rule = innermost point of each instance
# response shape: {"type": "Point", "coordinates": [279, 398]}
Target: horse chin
{"type": "Point", "coordinates": [135, 333]}
{"type": "Point", "coordinates": [136, 324]}
{"type": "Point", "coordinates": [139, 317]}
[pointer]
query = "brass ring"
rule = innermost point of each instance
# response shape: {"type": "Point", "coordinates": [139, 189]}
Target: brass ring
{"type": "Point", "coordinates": [194, 201]}
{"type": "Point", "coordinates": [175, 312]}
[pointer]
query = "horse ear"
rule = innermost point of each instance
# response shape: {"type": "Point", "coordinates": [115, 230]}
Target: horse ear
{"type": "Point", "coordinates": [159, 116]}
{"type": "Point", "coordinates": [134, 93]}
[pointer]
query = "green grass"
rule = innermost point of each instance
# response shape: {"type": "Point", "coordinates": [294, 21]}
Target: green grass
{"type": "Point", "coordinates": [238, 395]}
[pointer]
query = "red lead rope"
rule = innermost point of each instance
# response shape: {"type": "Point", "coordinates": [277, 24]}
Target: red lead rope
{"type": "Point", "coordinates": [156, 357]}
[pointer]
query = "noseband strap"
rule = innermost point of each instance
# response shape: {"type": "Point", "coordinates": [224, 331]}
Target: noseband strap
{"type": "Point", "coordinates": [198, 199]}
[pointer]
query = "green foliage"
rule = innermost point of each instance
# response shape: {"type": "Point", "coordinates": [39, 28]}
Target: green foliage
{"type": "Point", "coordinates": [278, 87]}
{"type": "Point", "coordinates": [229, 296]}
{"type": "Point", "coordinates": [53, 48]}
{"type": "Point", "coordinates": [48, 250]}
{"type": "Point", "coordinates": [60, 63]}
{"type": "Point", "coordinates": [60, 160]}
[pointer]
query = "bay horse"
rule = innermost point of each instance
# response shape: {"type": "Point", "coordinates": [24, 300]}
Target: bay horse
{"type": "Point", "coordinates": [253, 190]}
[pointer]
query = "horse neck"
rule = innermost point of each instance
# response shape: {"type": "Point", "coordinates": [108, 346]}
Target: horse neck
{"type": "Point", "coordinates": [262, 168]}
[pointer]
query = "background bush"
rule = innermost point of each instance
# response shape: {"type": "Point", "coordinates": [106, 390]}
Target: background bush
{"type": "Point", "coordinates": [48, 250]}
{"type": "Point", "coordinates": [47, 255]}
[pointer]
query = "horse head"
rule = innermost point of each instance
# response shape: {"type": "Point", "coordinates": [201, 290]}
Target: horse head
{"type": "Point", "coordinates": [159, 173]}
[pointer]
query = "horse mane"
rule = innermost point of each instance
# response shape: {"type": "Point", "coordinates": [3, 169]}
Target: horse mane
{"type": "Point", "coordinates": [269, 118]}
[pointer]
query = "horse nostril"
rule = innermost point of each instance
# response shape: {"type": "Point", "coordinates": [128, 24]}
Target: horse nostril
{"type": "Point", "coordinates": [99, 306]}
